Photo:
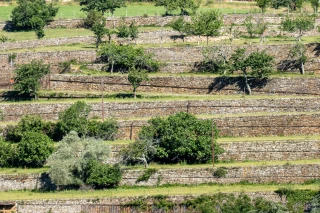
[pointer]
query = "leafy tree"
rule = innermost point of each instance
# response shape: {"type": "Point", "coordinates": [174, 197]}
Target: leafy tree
{"type": "Point", "coordinates": [186, 6]}
{"type": "Point", "coordinates": [33, 15]}
{"type": "Point", "coordinates": [181, 26]}
{"type": "Point", "coordinates": [92, 17]}
{"type": "Point", "coordinates": [261, 29]}
{"type": "Point", "coordinates": [263, 4]}
{"type": "Point", "coordinates": [103, 175]}
{"type": "Point", "coordinates": [315, 5]}
{"type": "Point", "coordinates": [181, 138]}
{"type": "Point", "coordinates": [299, 24]}
{"type": "Point", "coordinates": [69, 163]}
{"type": "Point", "coordinates": [298, 53]}
{"type": "Point", "coordinates": [7, 154]}
{"type": "Point", "coordinates": [136, 77]}
{"type": "Point", "coordinates": [102, 5]}
{"type": "Point", "coordinates": [257, 64]}
{"type": "Point", "coordinates": [105, 130]}
{"type": "Point", "coordinates": [276, 4]}
{"type": "Point", "coordinates": [207, 24]}
{"type": "Point", "coordinates": [33, 149]}
{"type": "Point", "coordinates": [215, 60]}
{"type": "Point", "coordinates": [250, 27]}
{"type": "Point", "coordinates": [125, 57]}
{"type": "Point", "coordinates": [133, 31]}
{"type": "Point", "coordinates": [32, 123]}
{"type": "Point", "coordinates": [99, 30]}
{"type": "Point", "coordinates": [75, 118]}
{"type": "Point", "coordinates": [125, 31]}
{"type": "Point", "coordinates": [27, 77]}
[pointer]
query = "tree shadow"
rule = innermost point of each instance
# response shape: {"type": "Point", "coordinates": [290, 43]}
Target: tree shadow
{"type": "Point", "coordinates": [206, 66]}
{"type": "Point", "coordinates": [317, 50]}
{"type": "Point", "coordinates": [288, 65]}
{"type": "Point", "coordinates": [220, 83]}
{"type": "Point", "coordinates": [15, 96]}
{"type": "Point", "coordinates": [46, 183]}
{"type": "Point", "coordinates": [175, 37]}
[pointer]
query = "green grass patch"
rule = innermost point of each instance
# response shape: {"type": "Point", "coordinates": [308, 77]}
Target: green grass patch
{"type": "Point", "coordinates": [14, 171]}
{"type": "Point", "coordinates": [150, 191]}
{"type": "Point", "coordinates": [49, 33]}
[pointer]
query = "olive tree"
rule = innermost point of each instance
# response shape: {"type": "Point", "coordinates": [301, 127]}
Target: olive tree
{"type": "Point", "coordinates": [263, 4]}
{"type": "Point", "coordinates": [69, 163]}
{"type": "Point", "coordinates": [297, 52]}
{"type": "Point", "coordinates": [27, 77]}
{"type": "Point", "coordinates": [186, 6]}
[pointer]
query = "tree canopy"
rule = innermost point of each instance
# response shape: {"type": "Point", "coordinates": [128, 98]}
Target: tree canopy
{"type": "Point", "coordinates": [136, 77]}
{"type": "Point", "coordinates": [300, 24]}
{"type": "Point", "coordinates": [175, 139]}
{"type": "Point", "coordinates": [186, 7]}
{"type": "Point", "coordinates": [33, 15]}
{"type": "Point", "coordinates": [27, 77]}
{"type": "Point", "coordinates": [102, 5]}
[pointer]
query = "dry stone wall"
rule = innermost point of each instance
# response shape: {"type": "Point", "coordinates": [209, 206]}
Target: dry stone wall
{"type": "Point", "coordinates": [253, 174]}
{"type": "Point", "coordinates": [147, 109]}
{"type": "Point", "coordinates": [267, 125]}
{"type": "Point", "coordinates": [187, 85]}
{"type": "Point", "coordinates": [110, 204]}
{"type": "Point", "coordinates": [276, 150]}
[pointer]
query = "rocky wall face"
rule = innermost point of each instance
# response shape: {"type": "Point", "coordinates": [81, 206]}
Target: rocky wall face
{"type": "Point", "coordinates": [246, 126]}
{"type": "Point", "coordinates": [188, 85]}
{"type": "Point", "coordinates": [147, 109]}
{"type": "Point", "coordinates": [253, 174]}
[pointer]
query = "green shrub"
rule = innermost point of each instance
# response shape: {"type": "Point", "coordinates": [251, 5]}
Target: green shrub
{"type": "Point", "coordinates": [221, 172]}
{"type": "Point", "coordinates": [146, 175]}
{"type": "Point", "coordinates": [33, 149]}
{"type": "Point", "coordinates": [7, 154]}
{"type": "Point", "coordinates": [93, 17]}
{"type": "Point", "coordinates": [105, 130]}
{"type": "Point", "coordinates": [181, 138]}
{"type": "Point", "coordinates": [103, 175]}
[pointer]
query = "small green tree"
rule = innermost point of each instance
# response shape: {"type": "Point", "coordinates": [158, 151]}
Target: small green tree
{"type": "Point", "coordinates": [33, 15]}
{"type": "Point", "coordinates": [207, 23]}
{"type": "Point", "coordinates": [250, 27]}
{"type": "Point", "coordinates": [99, 30]}
{"type": "Point", "coordinates": [125, 31]}
{"type": "Point", "coordinates": [257, 64]}
{"type": "Point", "coordinates": [105, 130]}
{"type": "Point", "coordinates": [181, 26]}
{"type": "Point", "coordinates": [298, 52]}
{"type": "Point", "coordinates": [263, 4]}
{"type": "Point", "coordinates": [102, 5]}
{"type": "Point", "coordinates": [8, 154]}
{"type": "Point", "coordinates": [74, 118]}
{"type": "Point", "coordinates": [299, 24]}
{"type": "Point", "coordinates": [136, 77]}
{"type": "Point", "coordinates": [34, 149]}
{"type": "Point", "coordinates": [186, 7]}
{"type": "Point", "coordinates": [27, 77]}
{"type": "Point", "coordinates": [261, 29]}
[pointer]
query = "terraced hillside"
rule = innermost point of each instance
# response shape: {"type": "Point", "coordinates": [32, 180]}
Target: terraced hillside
{"type": "Point", "coordinates": [271, 139]}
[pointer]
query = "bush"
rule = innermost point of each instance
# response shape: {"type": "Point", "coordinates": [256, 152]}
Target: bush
{"type": "Point", "coordinates": [7, 154]}
{"type": "Point", "coordinates": [93, 17]}
{"type": "Point", "coordinates": [146, 175]}
{"type": "Point", "coordinates": [33, 149]}
{"type": "Point", "coordinates": [105, 130]}
{"type": "Point", "coordinates": [221, 172]}
{"type": "Point", "coordinates": [103, 175]}
{"type": "Point", "coordinates": [182, 138]}
{"type": "Point", "coordinates": [33, 123]}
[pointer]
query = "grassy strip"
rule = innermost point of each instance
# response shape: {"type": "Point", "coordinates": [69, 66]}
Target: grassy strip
{"type": "Point", "coordinates": [150, 191]}
{"type": "Point", "coordinates": [177, 166]}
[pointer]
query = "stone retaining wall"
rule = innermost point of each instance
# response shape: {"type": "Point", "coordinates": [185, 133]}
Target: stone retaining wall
{"type": "Point", "coordinates": [147, 109]}
{"type": "Point", "coordinates": [253, 174]}
{"type": "Point", "coordinates": [270, 150]}
{"type": "Point", "coordinates": [255, 126]}
{"type": "Point", "coordinates": [111, 204]}
{"type": "Point", "coordinates": [187, 85]}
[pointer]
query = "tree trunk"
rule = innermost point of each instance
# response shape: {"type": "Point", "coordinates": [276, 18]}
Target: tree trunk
{"type": "Point", "coordinates": [302, 68]}
{"type": "Point", "coordinates": [112, 67]}
{"type": "Point", "coordinates": [247, 83]}
{"type": "Point", "coordinates": [134, 93]}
